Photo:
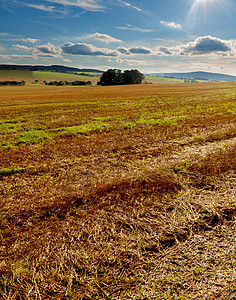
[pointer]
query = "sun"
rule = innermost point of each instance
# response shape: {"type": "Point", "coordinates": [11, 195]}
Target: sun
{"type": "Point", "coordinates": [201, 10]}
{"type": "Point", "coordinates": [204, 1]}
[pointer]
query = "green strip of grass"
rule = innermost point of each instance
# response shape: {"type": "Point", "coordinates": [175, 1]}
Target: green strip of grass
{"type": "Point", "coordinates": [10, 171]}
{"type": "Point", "coordinates": [31, 137]}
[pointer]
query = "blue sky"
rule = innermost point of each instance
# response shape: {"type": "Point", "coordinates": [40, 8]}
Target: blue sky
{"type": "Point", "coordinates": [150, 35]}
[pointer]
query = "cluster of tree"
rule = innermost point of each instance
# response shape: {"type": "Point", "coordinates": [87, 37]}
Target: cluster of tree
{"type": "Point", "coordinates": [116, 77]}
{"type": "Point", "coordinates": [74, 83]}
{"type": "Point", "coordinates": [13, 82]}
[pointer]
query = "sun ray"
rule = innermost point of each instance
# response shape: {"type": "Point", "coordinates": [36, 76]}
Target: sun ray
{"type": "Point", "coordinates": [200, 11]}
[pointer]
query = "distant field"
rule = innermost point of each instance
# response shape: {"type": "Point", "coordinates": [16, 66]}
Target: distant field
{"type": "Point", "coordinates": [156, 79]}
{"type": "Point", "coordinates": [89, 73]}
{"type": "Point", "coordinates": [163, 79]}
{"type": "Point", "coordinates": [57, 75]}
{"type": "Point", "coordinates": [16, 74]}
{"type": "Point", "coordinates": [10, 74]}
{"type": "Point", "coordinates": [63, 76]}
{"type": "Point", "coordinates": [118, 193]}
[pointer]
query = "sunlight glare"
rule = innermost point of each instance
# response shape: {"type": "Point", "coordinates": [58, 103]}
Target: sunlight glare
{"type": "Point", "coordinates": [204, 0]}
{"type": "Point", "coordinates": [202, 9]}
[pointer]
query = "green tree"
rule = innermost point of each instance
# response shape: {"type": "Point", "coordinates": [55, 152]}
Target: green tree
{"type": "Point", "coordinates": [132, 77]}
{"type": "Point", "coordinates": [115, 77]}
{"type": "Point", "coordinates": [111, 77]}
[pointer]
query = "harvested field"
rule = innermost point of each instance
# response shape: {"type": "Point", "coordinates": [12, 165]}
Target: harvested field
{"type": "Point", "coordinates": [124, 192]}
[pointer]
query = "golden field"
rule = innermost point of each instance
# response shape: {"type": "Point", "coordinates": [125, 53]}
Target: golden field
{"type": "Point", "coordinates": [123, 192]}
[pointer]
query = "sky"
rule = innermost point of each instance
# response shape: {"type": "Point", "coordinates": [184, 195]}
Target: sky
{"type": "Point", "coordinates": [149, 35]}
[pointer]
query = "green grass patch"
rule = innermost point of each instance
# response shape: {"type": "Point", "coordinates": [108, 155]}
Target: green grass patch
{"type": "Point", "coordinates": [129, 125]}
{"type": "Point", "coordinates": [9, 127]}
{"type": "Point", "coordinates": [10, 171]}
{"type": "Point", "coordinates": [154, 122]}
{"type": "Point", "coordinates": [31, 137]}
{"type": "Point", "coordinates": [83, 129]}
{"type": "Point", "coordinates": [39, 136]}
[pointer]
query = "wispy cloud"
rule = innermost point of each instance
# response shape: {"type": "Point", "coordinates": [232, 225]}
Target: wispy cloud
{"type": "Point", "coordinates": [130, 5]}
{"type": "Point", "coordinates": [134, 28]}
{"type": "Point", "coordinates": [42, 7]}
{"type": "Point", "coordinates": [3, 34]}
{"type": "Point", "coordinates": [171, 25]}
{"type": "Point", "coordinates": [132, 62]}
{"type": "Point", "coordinates": [33, 41]}
{"type": "Point", "coordinates": [15, 56]}
{"type": "Point", "coordinates": [89, 5]}
{"type": "Point", "coordinates": [67, 60]}
{"type": "Point", "coordinates": [104, 38]}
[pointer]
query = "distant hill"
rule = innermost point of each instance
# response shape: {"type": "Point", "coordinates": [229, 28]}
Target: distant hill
{"type": "Point", "coordinates": [198, 75]}
{"type": "Point", "coordinates": [52, 68]}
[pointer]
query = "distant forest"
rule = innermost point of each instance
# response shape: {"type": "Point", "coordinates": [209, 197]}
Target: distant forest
{"type": "Point", "coordinates": [52, 68]}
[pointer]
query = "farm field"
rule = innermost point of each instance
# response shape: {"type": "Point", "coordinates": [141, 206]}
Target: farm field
{"type": "Point", "coordinates": [30, 76]}
{"type": "Point", "coordinates": [159, 79]}
{"type": "Point", "coordinates": [120, 192]}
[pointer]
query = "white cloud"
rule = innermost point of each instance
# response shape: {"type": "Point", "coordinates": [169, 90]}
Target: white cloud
{"type": "Point", "coordinates": [41, 7]}
{"type": "Point", "coordinates": [208, 45]}
{"type": "Point", "coordinates": [130, 5]}
{"type": "Point", "coordinates": [133, 62]}
{"type": "Point", "coordinates": [123, 50]}
{"type": "Point", "coordinates": [3, 34]}
{"type": "Point", "coordinates": [2, 49]}
{"type": "Point", "coordinates": [140, 50]}
{"type": "Point", "coordinates": [47, 50]}
{"type": "Point", "coordinates": [15, 56]}
{"type": "Point", "coordinates": [134, 28]}
{"type": "Point", "coordinates": [135, 50]}
{"type": "Point", "coordinates": [205, 45]}
{"type": "Point", "coordinates": [87, 49]}
{"type": "Point", "coordinates": [171, 25]}
{"type": "Point", "coordinates": [104, 38]}
{"type": "Point", "coordinates": [22, 47]}
{"type": "Point", "coordinates": [67, 60]}
{"type": "Point", "coordinates": [90, 5]}
{"type": "Point", "coordinates": [33, 41]}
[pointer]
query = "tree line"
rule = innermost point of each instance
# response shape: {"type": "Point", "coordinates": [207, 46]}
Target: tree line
{"type": "Point", "coordinates": [12, 83]}
{"type": "Point", "coordinates": [117, 77]}
{"type": "Point", "coordinates": [74, 83]}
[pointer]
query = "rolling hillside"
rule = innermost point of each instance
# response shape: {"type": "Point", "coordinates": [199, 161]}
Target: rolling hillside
{"type": "Point", "coordinates": [198, 75]}
{"type": "Point", "coordinates": [52, 68]}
